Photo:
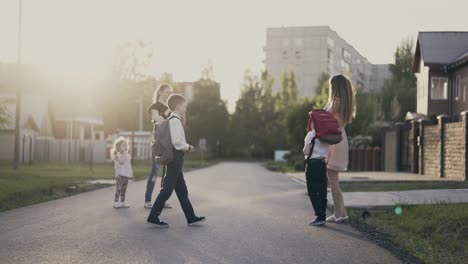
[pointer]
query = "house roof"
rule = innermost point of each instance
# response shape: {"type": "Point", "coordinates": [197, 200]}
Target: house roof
{"type": "Point", "coordinates": [459, 61]}
{"type": "Point", "coordinates": [442, 47]}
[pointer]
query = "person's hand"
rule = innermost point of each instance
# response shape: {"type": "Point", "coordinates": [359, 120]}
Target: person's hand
{"type": "Point", "coordinates": [191, 148]}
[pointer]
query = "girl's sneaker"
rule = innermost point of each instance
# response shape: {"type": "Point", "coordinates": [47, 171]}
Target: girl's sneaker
{"type": "Point", "coordinates": [343, 219]}
{"type": "Point", "coordinates": [117, 205]}
{"type": "Point", "coordinates": [125, 205]}
{"type": "Point", "coordinates": [148, 205]}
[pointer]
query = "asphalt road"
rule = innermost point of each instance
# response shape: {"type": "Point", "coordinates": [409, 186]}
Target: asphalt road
{"type": "Point", "coordinates": [253, 216]}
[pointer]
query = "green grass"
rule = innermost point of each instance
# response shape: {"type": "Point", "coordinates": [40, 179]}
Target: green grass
{"type": "Point", "coordinates": [433, 233]}
{"type": "Point", "coordinates": [379, 186]}
{"type": "Point", "coordinates": [44, 181]}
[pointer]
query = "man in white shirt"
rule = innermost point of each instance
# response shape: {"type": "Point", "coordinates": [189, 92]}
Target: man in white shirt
{"type": "Point", "coordinates": [174, 179]}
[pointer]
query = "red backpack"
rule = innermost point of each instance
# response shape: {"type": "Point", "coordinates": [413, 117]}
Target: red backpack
{"type": "Point", "coordinates": [326, 127]}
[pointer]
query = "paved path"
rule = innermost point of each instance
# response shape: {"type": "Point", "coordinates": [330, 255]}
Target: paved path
{"type": "Point", "coordinates": [386, 199]}
{"type": "Point", "coordinates": [254, 216]}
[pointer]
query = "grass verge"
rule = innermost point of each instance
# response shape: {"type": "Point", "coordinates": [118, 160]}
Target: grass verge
{"type": "Point", "coordinates": [435, 233]}
{"type": "Point", "coordinates": [387, 186]}
{"type": "Point", "coordinates": [42, 182]}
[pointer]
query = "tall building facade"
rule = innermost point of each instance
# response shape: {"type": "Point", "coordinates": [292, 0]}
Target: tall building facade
{"type": "Point", "coordinates": [311, 51]}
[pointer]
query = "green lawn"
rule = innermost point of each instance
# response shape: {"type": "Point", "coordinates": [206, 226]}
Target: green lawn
{"type": "Point", "coordinates": [379, 186]}
{"type": "Point", "coordinates": [43, 181]}
{"type": "Point", "coordinates": [433, 233]}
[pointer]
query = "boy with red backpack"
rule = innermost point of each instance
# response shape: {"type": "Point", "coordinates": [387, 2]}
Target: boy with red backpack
{"type": "Point", "coordinates": [322, 130]}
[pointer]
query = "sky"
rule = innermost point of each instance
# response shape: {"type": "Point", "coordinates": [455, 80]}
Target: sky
{"type": "Point", "coordinates": [78, 38]}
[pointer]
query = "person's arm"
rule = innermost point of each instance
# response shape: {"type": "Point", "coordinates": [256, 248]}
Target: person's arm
{"type": "Point", "coordinates": [307, 141]}
{"type": "Point", "coordinates": [119, 158]}
{"type": "Point", "coordinates": [178, 135]}
{"type": "Point", "coordinates": [334, 108]}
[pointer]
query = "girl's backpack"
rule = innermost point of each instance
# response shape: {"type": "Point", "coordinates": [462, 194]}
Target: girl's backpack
{"type": "Point", "coordinates": [326, 127]}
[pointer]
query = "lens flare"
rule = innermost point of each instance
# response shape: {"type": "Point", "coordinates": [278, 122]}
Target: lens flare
{"type": "Point", "coordinates": [398, 210]}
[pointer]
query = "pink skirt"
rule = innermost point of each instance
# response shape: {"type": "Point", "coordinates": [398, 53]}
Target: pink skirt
{"type": "Point", "coordinates": [338, 157]}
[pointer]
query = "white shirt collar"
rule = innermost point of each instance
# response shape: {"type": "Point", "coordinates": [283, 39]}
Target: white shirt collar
{"type": "Point", "coordinates": [174, 115]}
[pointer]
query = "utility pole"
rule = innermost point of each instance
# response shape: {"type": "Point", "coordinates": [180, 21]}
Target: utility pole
{"type": "Point", "coordinates": [18, 91]}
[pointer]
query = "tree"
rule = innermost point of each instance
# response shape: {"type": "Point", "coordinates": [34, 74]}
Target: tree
{"type": "Point", "coordinates": [130, 87]}
{"type": "Point", "coordinates": [323, 86]}
{"type": "Point", "coordinates": [3, 115]}
{"type": "Point", "coordinates": [208, 117]}
{"type": "Point", "coordinates": [401, 87]}
{"type": "Point", "coordinates": [288, 92]}
{"type": "Point", "coordinates": [247, 121]}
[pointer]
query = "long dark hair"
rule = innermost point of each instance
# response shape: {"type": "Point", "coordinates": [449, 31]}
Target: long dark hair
{"type": "Point", "coordinates": [158, 91]}
{"type": "Point", "coordinates": [342, 98]}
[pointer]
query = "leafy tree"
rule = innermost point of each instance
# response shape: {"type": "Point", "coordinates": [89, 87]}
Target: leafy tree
{"type": "Point", "coordinates": [208, 117]}
{"type": "Point", "coordinates": [401, 85]}
{"type": "Point", "coordinates": [129, 91]}
{"type": "Point", "coordinates": [288, 92]}
{"type": "Point", "coordinates": [247, 121]}
{"type": "Point", "coordinates": [323, 86]}
{"type": "Point", "coordinates": [3, 115]}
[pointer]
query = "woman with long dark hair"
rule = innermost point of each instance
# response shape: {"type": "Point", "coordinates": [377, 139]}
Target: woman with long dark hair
{"type": "Point", "coordinates": [159, 112]}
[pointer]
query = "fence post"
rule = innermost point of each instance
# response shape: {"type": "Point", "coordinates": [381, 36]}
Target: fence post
{"type": "Point", "coordinates": [465, 130]}
{"type": "Point", "coordinates": [414, 146]}
{"type": "Point", "coordinates": [442, 121]}
{"type": "Point", "coordinates": [422, 124]}
{"type": "Point", "coordinates": [30, 150]}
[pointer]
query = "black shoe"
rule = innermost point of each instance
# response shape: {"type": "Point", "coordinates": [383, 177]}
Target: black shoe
{"type": "Point", "coordinates": [158, 223]}
{"type": "Point", "coordinates": [197, 220]}
{"type": "Point", "coordinates": [317, 222]}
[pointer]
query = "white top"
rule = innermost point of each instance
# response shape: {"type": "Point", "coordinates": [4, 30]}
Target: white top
{"type": "Point", "coordinates": [177, 133]}
{"type": "Point", "coordinates": [320, 148]}
{"type": "Point", "coordinates": [122, 165]}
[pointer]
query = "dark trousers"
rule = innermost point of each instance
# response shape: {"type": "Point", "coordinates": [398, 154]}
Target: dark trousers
{"type": "Point", "coordinates": [151, 180]}
{"type": "Point", "coordinates": [173, 180]}
{"type": "Point", "coordinates": [316, 176]}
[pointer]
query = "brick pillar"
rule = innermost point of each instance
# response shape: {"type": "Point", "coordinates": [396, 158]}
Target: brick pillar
{"type": "Point", "coordinates": [414, 146]}
{"type": "Point", "coordinates": [465, 131]}
{"type": "Point", "coordinates": [443, 119]}
{"type": "Point", "coordinates": [422, 124]}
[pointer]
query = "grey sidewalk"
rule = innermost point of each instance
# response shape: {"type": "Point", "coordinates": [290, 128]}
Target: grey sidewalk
{"type": "Point", "coordinates": [387, 199]}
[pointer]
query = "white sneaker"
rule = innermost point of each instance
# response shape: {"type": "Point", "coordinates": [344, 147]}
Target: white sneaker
{"type": "Point", "coordinates": [117, 205]}
{"type": "Point", "coordinates": [148, 205]}
{"type": "Point", "coordinates": [125, 205]}
{"type": "Point", "coordinates": [342, 219]}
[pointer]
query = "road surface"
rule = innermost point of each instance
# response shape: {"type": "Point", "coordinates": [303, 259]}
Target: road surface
{"type": "Point", "coordinates": [253, 216]}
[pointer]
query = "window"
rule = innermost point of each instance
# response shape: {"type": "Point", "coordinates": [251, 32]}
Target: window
{"type": "Point", "coordinates": [346, 55]}
{"type": "Point", "coordinates": [464, 93]}
{"type": "Point", "coordinates": [457, 87]}
{"type": "Point", "coordinates": [298, 43]}
{"type": "Point", "coordinates": [330, 55]}
{"type": "Point", "coordinates": [439, 88]}
{"type": "Point", "coordinates": [330, 42]}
